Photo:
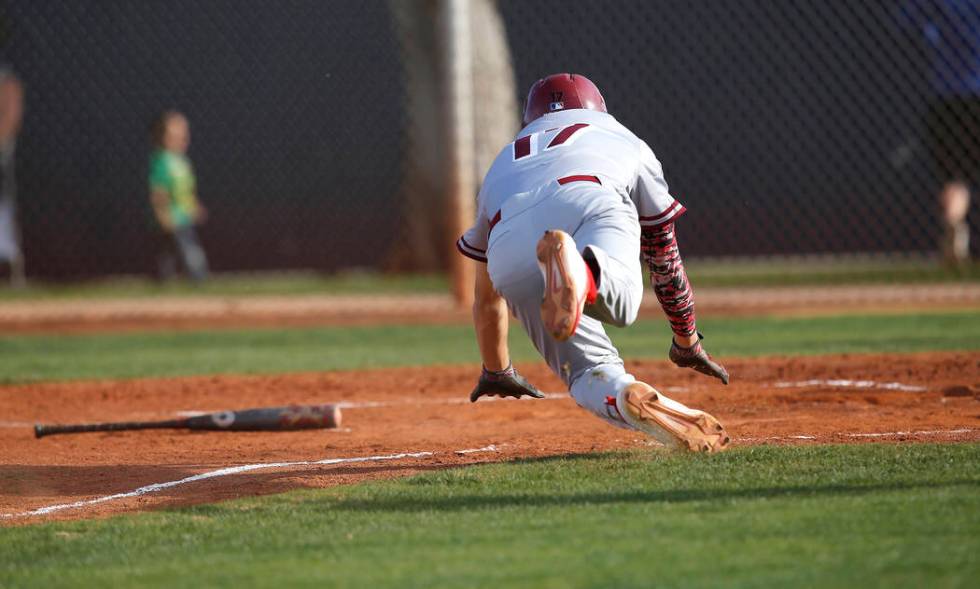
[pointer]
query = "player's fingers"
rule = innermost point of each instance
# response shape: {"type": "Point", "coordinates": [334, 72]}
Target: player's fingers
{"type": "Point", "coordinates": [526, 388]}
{"type": "Point", "coordinates": [514, 387]}
{"type": "Point", "coordinates": [714, 369]}
{"type": "Point", "coordinates": [522, 389]}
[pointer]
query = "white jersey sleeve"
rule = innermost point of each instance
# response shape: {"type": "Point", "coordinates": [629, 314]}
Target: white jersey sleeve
{"type": "Point", "coordinates": [654, 204]}
{"type": "Point", "coordinates": [473, 243]}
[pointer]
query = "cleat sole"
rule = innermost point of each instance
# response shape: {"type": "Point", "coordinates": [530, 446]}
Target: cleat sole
{"type": "Point", "coordinates": [561, 310]}
{"type": "Point", "coordinates": [673, 424]}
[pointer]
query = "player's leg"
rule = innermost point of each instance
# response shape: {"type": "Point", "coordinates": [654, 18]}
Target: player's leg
{"type": "Point", "coordinates": [609, 241]}
{"type": "Point", "coordinates": [192, 253]}
{"type": "Point", "coordinates": [513, 269]}
{"type": "Point", "coordinates": [954, 124]}
{"type": "Point", "coordinates": [612, 394]}
{"type": "Point", "coordinates": [166, 255]}
{"type": "Point", "coordinates": [599, 383]}
{"type": "Point", "coordinates": [672, 423]}
{"type": "Point", "coordinates": [592, 267]}
{"type": "Point", "coordinates": [587, 361]}
{"type": "Point", "coordinates": [9, 242]}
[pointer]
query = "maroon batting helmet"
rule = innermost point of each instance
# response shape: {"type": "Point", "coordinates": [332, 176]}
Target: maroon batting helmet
{"type": "Point", "coordinates": [562, 92]}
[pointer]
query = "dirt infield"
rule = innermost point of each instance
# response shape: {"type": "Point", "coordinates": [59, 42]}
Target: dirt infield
{"type": "Point", "coordinates": [829, 399]}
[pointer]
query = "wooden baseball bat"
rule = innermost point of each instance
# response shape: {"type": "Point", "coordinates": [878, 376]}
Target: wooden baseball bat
{"type": "Point", "coordinates": [289, 418]}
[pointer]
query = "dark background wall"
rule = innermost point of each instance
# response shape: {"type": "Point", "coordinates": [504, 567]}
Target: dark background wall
{"type": "Point", "coordinates": [785, 127]}
{"type": "Point", "coordinates": [295, 118]}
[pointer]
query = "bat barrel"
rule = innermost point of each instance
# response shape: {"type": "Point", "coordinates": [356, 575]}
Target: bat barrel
{"type": "Point", "coordinates": [294, 417]}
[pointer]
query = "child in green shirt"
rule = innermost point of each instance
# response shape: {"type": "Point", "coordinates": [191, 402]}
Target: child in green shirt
{"type": "Point", "coordinates": [173, 195]}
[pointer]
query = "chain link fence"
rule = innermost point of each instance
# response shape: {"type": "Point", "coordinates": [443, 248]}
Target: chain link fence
{"type": "Point", "coordinates": [787, 128]}
{"type": "Point", "coordinates": [295, 116]}
{"type": "Point", "coordinates": [804, 127]}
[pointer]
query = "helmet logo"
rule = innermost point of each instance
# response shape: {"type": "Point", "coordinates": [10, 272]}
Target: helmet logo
{"type": "Point", "coordinates": [556, 101]}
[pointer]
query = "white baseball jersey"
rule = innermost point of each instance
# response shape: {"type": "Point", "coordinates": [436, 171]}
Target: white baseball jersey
{"type": "Point", "coordinates": [564, 147]}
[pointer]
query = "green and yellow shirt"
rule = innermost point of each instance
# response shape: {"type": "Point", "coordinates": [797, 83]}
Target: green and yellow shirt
{"type": "Point", "coordinates": [172, 173]}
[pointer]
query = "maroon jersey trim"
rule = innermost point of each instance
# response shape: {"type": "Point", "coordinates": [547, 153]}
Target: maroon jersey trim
{"type": "Point", "coordinates": [579, 178]}
{"type": "Point", "coordinates": [461, 246]}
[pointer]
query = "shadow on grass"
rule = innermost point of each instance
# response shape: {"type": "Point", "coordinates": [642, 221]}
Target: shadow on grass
{"type": "Point", "coordinates": [476, 502]}
{"type": "Point", "coordinates": [576, 457]}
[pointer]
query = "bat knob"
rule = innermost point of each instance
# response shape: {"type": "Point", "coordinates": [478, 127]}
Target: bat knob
{"type": "Point", "coordinates": [38, 430]}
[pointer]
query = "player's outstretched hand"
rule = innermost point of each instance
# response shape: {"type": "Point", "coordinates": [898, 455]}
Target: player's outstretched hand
{"type": "Point", "coordinates": [504, 383]}
{"type": "Point", "coordinates": [697, 358]}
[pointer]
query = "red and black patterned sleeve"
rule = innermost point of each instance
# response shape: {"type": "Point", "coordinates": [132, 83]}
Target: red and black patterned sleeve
{"type": "Point", "coordinates": [659, 247]}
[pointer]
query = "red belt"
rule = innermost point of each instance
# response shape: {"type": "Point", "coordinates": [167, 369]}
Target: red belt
{"type": "Point", "coordinates": [578, 178]}
{"type": "Point", "coordinates": [562, 182]}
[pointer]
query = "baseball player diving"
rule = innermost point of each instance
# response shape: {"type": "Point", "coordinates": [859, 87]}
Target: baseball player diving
{"type": "Point", "coordinates": [563, 216]}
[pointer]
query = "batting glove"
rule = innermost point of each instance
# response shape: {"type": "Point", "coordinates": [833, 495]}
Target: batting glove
{"type": "Point", "coordinates": [697, 358]}
{"type": "Point", "coordinates": [503, 383]}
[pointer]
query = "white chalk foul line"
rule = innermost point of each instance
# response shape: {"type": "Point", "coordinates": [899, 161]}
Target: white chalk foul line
{"type": "Point", "coordinates": [776, 438]}
{"type": "Point", "coordinates": [932, 432]}
{"type": "Point", "coordinates": [490, 448]}
{"type": "Point", "coordinates": [223, 472]}
{"type": "Point", "coordinates": [17, 424]}
{"type": "Point", "coordinates": [232, 470]}
{"type": "Point", "coordinates": [852, 384]}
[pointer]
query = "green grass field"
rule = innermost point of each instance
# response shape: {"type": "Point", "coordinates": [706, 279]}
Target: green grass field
{"type": "Point", "coordinates": [704, 273]}
{"type": "Point", "coordinates": [284, 283]}
{"type": "Point", "coordinates": [806, 516]}
{"type": "Point", "coordinates": [48, 357]}
{"type": "Point", "coordinates": [825, 516]}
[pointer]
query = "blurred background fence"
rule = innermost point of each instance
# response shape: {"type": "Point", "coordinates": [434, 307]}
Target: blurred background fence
{"type": "Point", "coordinates": [787, 128]}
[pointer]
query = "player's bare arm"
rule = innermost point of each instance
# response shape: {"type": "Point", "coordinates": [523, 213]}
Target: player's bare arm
{"type": "Point", "coordinates": [490, 321]}
{"type": "Point", "coordinates": [662, 255]}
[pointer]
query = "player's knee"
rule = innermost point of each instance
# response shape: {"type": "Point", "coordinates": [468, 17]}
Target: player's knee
{"type": "Point", "coordinates": [631, 314]}
{"type": "Point", "coordinates": [627, 318]}
{"type": "Point", "coordinates": [622, 316]}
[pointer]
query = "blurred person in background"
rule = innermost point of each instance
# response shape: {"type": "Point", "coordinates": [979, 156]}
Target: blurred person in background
{"type": "Point", "coordinates": [11, 113]}
{"type": "Point", "coordinates": [950, 30]}
{"type": "Point", "coordinates": [173, 196]}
